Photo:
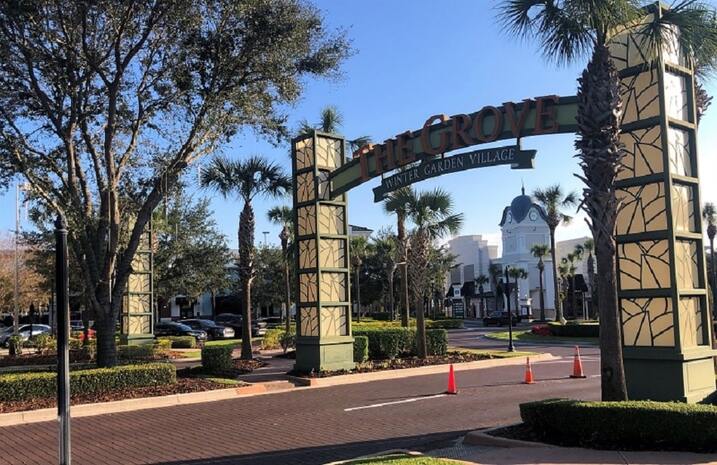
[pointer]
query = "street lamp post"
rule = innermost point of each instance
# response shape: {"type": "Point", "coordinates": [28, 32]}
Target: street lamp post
{"type": "Point", "coordinates": [510, 314]}
{"type": "Point", "coordinates": [63, 332]}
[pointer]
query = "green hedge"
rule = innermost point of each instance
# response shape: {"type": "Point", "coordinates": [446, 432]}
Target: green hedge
{"type": "Point", "coordinates": [575, 329]}
{"type": "Point", "coordinates": [360, 349]}
{"type": "Point", "coordinates": [445, 324]}
{"type": "Point", "coordinates": [624, 425]}
{"type": "Point", "coordinates": [390, 343]}
{"type": "Point", "coordinates": [217, 359]}
{"type": "Point", "coordinates": [181, 342]}
{"type": "Point", "coordinates": [437, 341]}
{"type": "Point", "coordinates": [28, 386]}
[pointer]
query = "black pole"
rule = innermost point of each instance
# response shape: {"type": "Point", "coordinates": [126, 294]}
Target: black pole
{"type": "Point", "coordinates": [510, 314]}
{"type": "Point", "coordinates": [63, 331]}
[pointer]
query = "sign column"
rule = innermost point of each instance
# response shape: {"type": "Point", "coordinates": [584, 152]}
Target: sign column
{"type": "Point", "coordinates": [324, 341]}
{"type": "Point", "coordinates": [660, 250]}
{"type": "Point", "coordinates": [137, 316]}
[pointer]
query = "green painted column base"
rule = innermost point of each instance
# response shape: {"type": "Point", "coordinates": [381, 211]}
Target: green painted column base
{"type": "Point", "coordinates": [332, 354]}
{"type": "Point", "coordinates": [687, 377]}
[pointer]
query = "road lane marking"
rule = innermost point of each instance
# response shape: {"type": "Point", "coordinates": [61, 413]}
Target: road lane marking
{"type": "Point", "coordinates": [404, 401]}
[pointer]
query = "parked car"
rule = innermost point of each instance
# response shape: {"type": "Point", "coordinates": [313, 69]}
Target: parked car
{"type": "Point", "coordinates": [499, 319]}
{"type": "Point", "coordinates": [272, 322]}
{"type": "Point", "coordinates": [234, 321]}
{"type": "Point", "coordinates": [77, 329]}
{"type": "Point", "coordinates": [24, 331]}
{"type": "Point", "coordinates": [213, 330]}
{"type": "Point", "coordinates": [173, 328]}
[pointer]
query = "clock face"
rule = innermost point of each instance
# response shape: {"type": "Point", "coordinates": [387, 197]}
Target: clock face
{"type": "Point", "coordinates": [533, 215]}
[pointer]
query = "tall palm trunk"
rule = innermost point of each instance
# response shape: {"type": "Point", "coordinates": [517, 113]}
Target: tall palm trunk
{"type": "Point", "coordinates": [391, 303]}
{"type": "Point", "coordinates": [542, 292]}
{"type": "Point", "coordinates": [284, 236]}
{"type": "Point", "coordinates": [574, 296]}
{"type": "Point", "coordinates": [418, 254]}
{"type": "Point", "coordinates": [599, 112]}
{"type": "Point", "coordinates": [246, 274]}
{"type": "Point", "coordinates": [358, 293]}
{"type": "Point", "coordinates": [558, 304]}
{"type": "Point", "coordinates": [591, 278]}
{"type": "Point", "coordinates": [402, 244]}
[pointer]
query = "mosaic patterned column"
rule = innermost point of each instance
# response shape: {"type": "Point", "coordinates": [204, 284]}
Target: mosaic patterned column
{"type": "Point", "coordinates": [137, 318]}
{"type": "Point", "coordinates": [661, 262]}
{"type": "Point", "coordinates": [324, 339]}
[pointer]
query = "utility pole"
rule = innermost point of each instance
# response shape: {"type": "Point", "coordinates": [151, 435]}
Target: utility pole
{"type": "Point", "coordinates": [16, 294]}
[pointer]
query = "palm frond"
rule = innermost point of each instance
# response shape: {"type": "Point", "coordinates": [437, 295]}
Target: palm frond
{"type": "Point", "coordinates": [331, 119]}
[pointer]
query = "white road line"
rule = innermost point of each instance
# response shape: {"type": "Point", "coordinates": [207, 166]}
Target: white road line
{"type": "Point", "coordinates": [404, 401]}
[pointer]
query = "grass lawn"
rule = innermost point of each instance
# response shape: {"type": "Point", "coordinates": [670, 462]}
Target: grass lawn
{"type": "Point", "coordinates": [404, 460]}
{"type": "Point", "coordinates": [190, 353]}
{"type": "Point", "coordinates": [225, 342]}
{"type": "Point", "coordinates": [527, 336]}
{"type": "Point", "coordinates": [494, 353]}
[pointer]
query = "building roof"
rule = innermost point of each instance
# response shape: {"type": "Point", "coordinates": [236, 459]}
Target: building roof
{"type": "Point", "coordinates": [519, 208]}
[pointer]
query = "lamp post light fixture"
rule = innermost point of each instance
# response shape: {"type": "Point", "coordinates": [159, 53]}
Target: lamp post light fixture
{"type": "Point", "coordinates": [510, 314]}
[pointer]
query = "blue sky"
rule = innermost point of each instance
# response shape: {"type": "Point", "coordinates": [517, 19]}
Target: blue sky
{"type": "Point", "coordinates": [419, 58]}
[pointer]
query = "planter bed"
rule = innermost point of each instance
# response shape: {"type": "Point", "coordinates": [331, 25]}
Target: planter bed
{"type": "Point", "coordinates": [182, 386]}
{"type": "Point", "coordinates": [370, 366]}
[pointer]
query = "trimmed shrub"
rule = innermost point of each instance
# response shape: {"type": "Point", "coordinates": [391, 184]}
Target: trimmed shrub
{"type": "Point", "coordinates": [162, 345]}
{"type": "Point", "coordinates": [217, 359]}
{"type": "Point", "coordinates": [272, 339]}
{"type": "Point", "coordinates": [436, 341]}
{"type": "Point", "coordinates": [381, 316]}
{"type": "Point", "coordinates": [360, 349]}
{"type": "Point", "coordinates": [182, 342]}
{"type": "Point", "coordinates": [394, 342]}
{"type": "Point", "coordinates": [541, 330]}
{"type": "Point", "coordinates": [44, 343]}
{"type": "Point", "coordinates": [388, 342]}
{"type": "Point", "coordinates": [575, 329]}
{"type": "Point", "coordinates": [15, 344]}
{"type": "Point", "coordinates": [624, 425]}
{"type": "Point", "coordinates": [445, 324]}
{"type": "Point", "coordinates": [140, 352]}
{"type": "Point", "coordinates": [28, 386]}
{"type": "Point", "coordinates": [288, 341]}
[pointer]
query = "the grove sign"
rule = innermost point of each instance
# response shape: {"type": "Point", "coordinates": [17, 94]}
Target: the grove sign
{"type": "Point", "coordinates": [441, 134]}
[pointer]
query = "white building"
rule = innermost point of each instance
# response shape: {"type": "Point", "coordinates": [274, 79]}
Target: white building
{"type": "Point", "coordinates": [563, 248]}
{"type": "Point", "coordinates": [473, 254]}
{"type": "Point", "coordinates": [524, 224]}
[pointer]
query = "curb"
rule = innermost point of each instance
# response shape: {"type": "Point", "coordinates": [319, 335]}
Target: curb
{"type": "Point", "coordinates": [129, 405]}
{"type": "Point", "coordinates": [540, 343]}
{"type": "Point", "coordinates": [409, 372]}
{"type": "Point", "coordinates": [482, 438]}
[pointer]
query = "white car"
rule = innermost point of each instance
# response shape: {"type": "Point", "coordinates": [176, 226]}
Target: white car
{"type": "Point", "coordinates": [23, 332]}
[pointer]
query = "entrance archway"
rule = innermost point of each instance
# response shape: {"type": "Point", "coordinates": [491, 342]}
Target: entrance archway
{"type": "Point", "coordinates": [660, 257]}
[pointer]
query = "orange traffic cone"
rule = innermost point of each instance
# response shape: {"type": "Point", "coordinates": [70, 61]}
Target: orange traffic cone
{"type": "Point", "coordinates": [577, 365]}
{"type": "Point", "coordinates": [528, 373]}
{"type": "Point", "coordinates": [452, 389]}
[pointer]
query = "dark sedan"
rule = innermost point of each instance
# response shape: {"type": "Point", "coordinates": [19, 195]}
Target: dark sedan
{"type": "Point", "coordinates": [213, 330]}
{"type": "Point", "coordinates": [173, 328]}
{"type": "Point", "coordinates": [234, 321]}
{"type": "Point", "coordinates": [498, 319]}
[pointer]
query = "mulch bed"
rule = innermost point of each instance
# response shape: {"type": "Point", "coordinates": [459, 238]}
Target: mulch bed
{"type": "Point", "coordinates": [33, 359]}
{"type": "Point", "coordinates": [399, 363]}
{"type": "Point", "coordinates": [182, 386]}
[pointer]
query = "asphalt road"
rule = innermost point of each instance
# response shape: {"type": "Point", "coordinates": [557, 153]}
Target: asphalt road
{"type": "Point", "coordinates": [308, 426]}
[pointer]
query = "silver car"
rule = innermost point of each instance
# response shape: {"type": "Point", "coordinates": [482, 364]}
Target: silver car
{"type": "Point", "coordinates": [24, 331]}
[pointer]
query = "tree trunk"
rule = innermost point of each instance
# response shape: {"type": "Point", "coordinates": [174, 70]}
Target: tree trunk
{"type": "Point", "coordinates": [391, 306]}
{"type": "Point", "coordinates": [598, 118]}
{"type": "Point", "coordinates": [420, 328]}
{"type": "Point", "coordinates": [542, 296]}
{"type": "Point", "coordinates": [106, 346]}
{"type": "Point", "coordinates": [401, 236]}
{"type": "Point", "coordinates": [574, 297]}
{"type": "Point", "coordinates": [558, 308]}
{"type": "Point", "coordinates": [246, 274]}
{"type": "Point", "coordinates": [358, 295]}
{"type": "Point", "coordinates": [713, 273]}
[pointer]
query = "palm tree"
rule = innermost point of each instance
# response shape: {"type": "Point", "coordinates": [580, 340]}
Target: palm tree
{"type": "Point", "coordinates": [358, 248]}
{"type": "Point", "coordinates": [480, 281]}
{"type": "Point", "coordinates": [246, 179]}
{"type": "Point", "coordinates": [432, 214]}
{"type": "Point", "coordinates": [397, 203]}
{"type": "Point", "coordinates": [495, 271]}
{"type": "Point", "coordinates": [331, 121]}
{"type": "Point", "coordinates": [284, 216]}
{"type": "Point", "coordinates": [589, 247]}
{"type": "Point", "coordinates": [709, 213]}
{"type": "Point", "coordinates": [540, 251]}
{"type": "Point", "coordinates": [386, 249]}
{"type": "Point", "coordinates": [553, 200]}
{"type": "Point", "coordinates": [517, 274]}
{"type": "Point", "coordinates": [440, 262]}
{"type": "Point", "coordinates": [567, 31]}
